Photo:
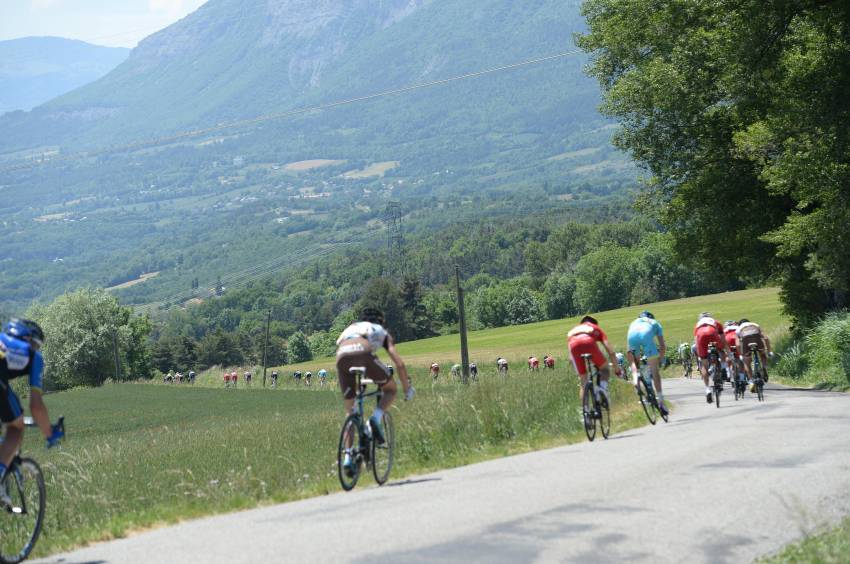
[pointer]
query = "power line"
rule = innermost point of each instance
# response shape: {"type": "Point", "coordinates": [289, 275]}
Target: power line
{"type": "Point", "coordinates": [278, 116]}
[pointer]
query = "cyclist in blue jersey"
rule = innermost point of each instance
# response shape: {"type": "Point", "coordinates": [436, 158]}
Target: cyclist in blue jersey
{"type": "Point", "coordinates": [20, 356]}
{"type": "Point", "coordinates": [643, 333]}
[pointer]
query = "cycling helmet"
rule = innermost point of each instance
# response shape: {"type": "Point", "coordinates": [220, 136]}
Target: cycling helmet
{"type": "Point", "coordinates": [372, 315]}
{"type": "Point", "coordinates": [646, 313]}
{"type": "Point", "coordinates": [745, 320]}
{"type": "Point", "coordinates": [621, 359]}
{"type": "Point", "coordinates": [589, 319]}
{"type": "Point", "coordinates": [729, 323]}
{"type": "Point", "coordinates": [22, 328]}
{"type": "Point", "coordinates": [704, 314]}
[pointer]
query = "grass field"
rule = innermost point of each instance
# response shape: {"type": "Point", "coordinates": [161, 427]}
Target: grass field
{"type": "Point", "coordinates": [140, 455]}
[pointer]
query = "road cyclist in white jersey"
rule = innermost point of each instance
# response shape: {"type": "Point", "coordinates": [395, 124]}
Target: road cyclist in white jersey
{"type": "Point", "coordinates": [357, 346]}
{"type": "Point", "coordinates": [751, 333]}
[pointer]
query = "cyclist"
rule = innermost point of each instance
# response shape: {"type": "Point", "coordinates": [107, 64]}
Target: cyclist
{"type": "Point", "coordinates": [502, 366]}
{"type": "Point", "coordinates": [248, 377]}
{"type": "Point", "coordinates": [297, 376]}
{"type": "Point", "coordinates": [308, 378]}
{"type": "Point", "coordinates": [473, 370]}
{"type": "Point", "coordinates": [227, 379]}
{"type": "Point", "coordinates": [730, 333]}
{"type": "Point", "coordinates": [456, 370]}
{"type": "Point", "coordinates": [358, 345]}
{"type": "Point", "coordinates": [685, 358]}
{"type": "Point", "coordinates": [643, 334]}
{"type": "Point", "coordinates": [533, 363]}
{"type": "Point", "coordinates": [274, 378]}
{"type": "Point", "coordinates": [707, 331]}
{"type": "Point", "coordinates": [323, 377]}
{"type": "Point", "coordinates": [549, 362]}
{"type": "Point", "coordinates": [749, 332]}
{"type": "Point", "coordinates": [584, 338]}
{"type": "Point", "coordinates": [621, 360]}
{"type": "Point", "coordinates": [191, 376]}
{"type": "Point", "coordinates": [435, 371]}
{"type": "Point", "coordinates": [20, 355]}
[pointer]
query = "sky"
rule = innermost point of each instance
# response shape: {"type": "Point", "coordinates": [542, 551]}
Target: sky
{"type": "Point", "coordinates": [116, 23]}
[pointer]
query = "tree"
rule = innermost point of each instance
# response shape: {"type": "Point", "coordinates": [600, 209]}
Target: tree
{"type": "Point", "coordinates": [740, 112]}
{"type": "Point", "coordinates": [507, 303]}
{"type": "Point", "coordinates": [382, 294]}
{"type": "Point", "coordinates": [298, 348]}
{"type": "Point", "coordinates": [81, 328]}
{"type": "Point", "coordinates": [604, 279]}
{"type": "Point", "coordinates": [558, 295]}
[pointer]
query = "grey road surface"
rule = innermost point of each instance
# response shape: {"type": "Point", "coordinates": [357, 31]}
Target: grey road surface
{"type": "Point", "coordinates": [713, 485]}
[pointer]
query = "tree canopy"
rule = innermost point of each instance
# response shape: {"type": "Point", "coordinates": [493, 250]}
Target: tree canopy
{"type": "Point", "coordinates": [739, 111]}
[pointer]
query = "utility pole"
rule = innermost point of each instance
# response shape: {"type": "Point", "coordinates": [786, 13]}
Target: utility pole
{"type": "Point", "coordinates": [115, 352]}
{"type": "Point", "coordinates": [464, 348]}
{"type": "Point", "coordinates": [266, 345]}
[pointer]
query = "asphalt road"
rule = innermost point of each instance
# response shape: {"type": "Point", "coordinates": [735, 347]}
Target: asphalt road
{"type": "Point", "coordinates": [713, 485]}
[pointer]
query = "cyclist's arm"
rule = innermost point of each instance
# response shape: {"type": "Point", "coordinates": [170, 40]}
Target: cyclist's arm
{"type": "Point", "coordinates": [398, 362]}
{"type": "Point", "coordinates": [612, 356]}
{"type": "Point", "coordinates": [39, 412]}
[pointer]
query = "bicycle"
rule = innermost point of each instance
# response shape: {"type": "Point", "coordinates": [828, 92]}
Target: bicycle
{"type": "Point", "coordinates": [25, 493]}
{"type": "Point", "coordinates": [714, 372]}
{"type": "Point", "coordinates": [356, 442]}
{"type": "Point", "coordinates": [687, 366]}
{"type": "Point", "coordinates": [646, 394]}
{"type": "Point", "coordinates": [757, 370]}
{"type": "Point", "coordinates": [739, 377]}
{"type": "Point", "coordinates": [594, 406]}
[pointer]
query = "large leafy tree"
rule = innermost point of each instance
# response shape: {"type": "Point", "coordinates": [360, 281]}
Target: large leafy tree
{"type": "Point", "coordinates": [739, 110]}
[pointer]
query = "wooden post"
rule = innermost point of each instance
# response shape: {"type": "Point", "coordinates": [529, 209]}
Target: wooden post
{"type": "Point", "coordinates": [464, 348]}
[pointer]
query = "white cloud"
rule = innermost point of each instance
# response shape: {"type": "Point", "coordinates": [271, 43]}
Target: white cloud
{"type": "Point", "coordinates": [44, 4]}
{"type": "Point", "coordinates": [165, 6]}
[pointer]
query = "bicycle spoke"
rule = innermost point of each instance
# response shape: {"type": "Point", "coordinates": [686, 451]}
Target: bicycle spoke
{"type": "Point", "coordinates": [22, 517]}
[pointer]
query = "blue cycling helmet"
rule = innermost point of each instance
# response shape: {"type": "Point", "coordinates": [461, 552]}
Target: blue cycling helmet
{"type": "Point", "coordinates": [646, 313]}
{"type": "Point", "coordinates": [22, 328]}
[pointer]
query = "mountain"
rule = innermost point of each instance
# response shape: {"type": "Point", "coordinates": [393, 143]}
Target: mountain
{"type": "Point", "coordinates": [192, 209]}
{"type": "Point", "coordinates": [35, 69]}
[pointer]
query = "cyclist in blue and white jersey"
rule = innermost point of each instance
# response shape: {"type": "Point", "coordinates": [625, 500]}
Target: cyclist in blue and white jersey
{"type": "Point", "coordinates": [643, 333]}
{"type": "Point", "coordinates": [20, 356]}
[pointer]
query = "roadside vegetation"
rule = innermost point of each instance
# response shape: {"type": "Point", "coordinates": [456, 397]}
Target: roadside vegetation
{"type": "Point", "coordinates": [830, 547]}
{"type": "Point", "coordinates": [819, 357]}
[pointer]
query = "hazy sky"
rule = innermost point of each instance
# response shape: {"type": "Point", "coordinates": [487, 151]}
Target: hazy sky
{"type": "Point", "coordinates": [117, 23]}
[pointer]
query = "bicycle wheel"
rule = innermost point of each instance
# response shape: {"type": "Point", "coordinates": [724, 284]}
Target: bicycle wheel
{"type": "Point", "coordinates": [349, 444]}
{"type": "Point", "coordinates": [587, 413]}
{"type": "Point", "coordinates": [23, 518]}
{"type": "Point", "coordinates": [643, 396]}
{"type": "Point", "coordinates": [382, 455]}
{"type": "Point", "coordinates": [760, 388]}
{"type": "Point", "coordinates": [604, 416]}
{"type": "Point", "coordinates": [717, 391]}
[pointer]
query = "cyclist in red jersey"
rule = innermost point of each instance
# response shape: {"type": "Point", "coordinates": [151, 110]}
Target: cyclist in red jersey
{"type": "Point", "coordinates": [708, 330]}
{"type": "Point", "coordinates": [730, 333]}
{"type": "Point", "coordinates": [585, 338]}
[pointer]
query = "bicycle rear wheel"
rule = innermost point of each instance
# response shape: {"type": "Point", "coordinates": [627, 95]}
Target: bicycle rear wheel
{"type": "Point", "coordinates": [643, 396]}
{"type": "Point", "coordinates": [382, 455]}
{"type": "Point", "coordinates": [22, 519]}
{"type": "Point", "coordinates": [604, 416]}
{"type": "Point", "coordinates": [349, 444]}
{"type": "Point", "coordinates": [588, 413]}
{"type": "Point", "coordinates": [760, 388]}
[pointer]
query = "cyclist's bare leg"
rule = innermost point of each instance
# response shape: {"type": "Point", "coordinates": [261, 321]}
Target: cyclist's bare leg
{"type": "Point", "coordinates": [12, 440]}
{"type": "Point", "coordinates": [747, 359]}
{"type": "Point", "coordinates": [390, 389]}
{"type": "Point", "coordinates": [703, 368]}
{"type": "Point", "coordinates": [654, 364]}
{"type": "Point", "coordinates": [635, 371]}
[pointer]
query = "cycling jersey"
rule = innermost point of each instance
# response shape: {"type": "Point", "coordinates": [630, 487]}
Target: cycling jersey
{"type": "Point", "coordinates": [642, 334]}
{"type": "Point", "coordinates": [749, 329]}
{"type": "Point", "coordinates": [17, 358]}
{"type": "Point", "coordinates": [731, 336]}
{"type": "Point", "coordinates": [323, 373]}
{"type": "Point", "coordinates": [684, 351]}
{"type": "Point", "coordinates": [375, 335]}
{"type": "Point", "coordinates": [583, 339]}
{"type": "Point", "coordinates": [707, 331]}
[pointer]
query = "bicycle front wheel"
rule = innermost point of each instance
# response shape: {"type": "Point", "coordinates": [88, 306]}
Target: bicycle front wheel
{"type": "Point", "coordinates": [349, 455]}
{"type": "Point", "coordinates": [587, 410]}
{"type": "Point", "coordinates": [382, 455]}
{"type": "Point", "coordinates": [23, 515]}
{"type": "Point", "coordinates": [643, 396]}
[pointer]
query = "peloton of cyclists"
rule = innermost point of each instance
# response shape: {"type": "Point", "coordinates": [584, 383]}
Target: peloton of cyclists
{"type": "Point", "coordinates": [643, 334]}
{"type": "Point", "coordinates": [585, 338]}
{"type": "Point", "coordinates": [708, 330]}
